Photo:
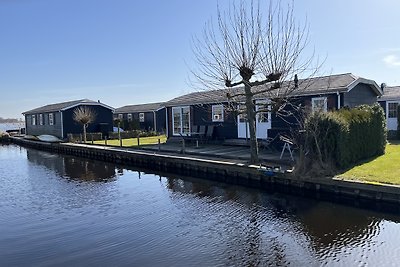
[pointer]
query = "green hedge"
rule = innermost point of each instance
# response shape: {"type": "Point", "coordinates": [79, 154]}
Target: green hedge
{"type": "Point", "coordinates": [346, 136]}
{"type": "Point", "coordinates": [132, 134]}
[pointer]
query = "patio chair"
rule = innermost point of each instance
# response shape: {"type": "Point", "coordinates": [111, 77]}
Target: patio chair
{"type": "Point", "coordinates": [210, 132]}
{"type": "Point", "coordinates": [269, 143]}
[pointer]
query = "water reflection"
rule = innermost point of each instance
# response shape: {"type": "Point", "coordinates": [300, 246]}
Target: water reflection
{"type": "Point", "coordinates": [321, 228]}
{"type": "Point", "coordinates": [142, 219]}
{"type": "Point", "coordinates": [74, 168]}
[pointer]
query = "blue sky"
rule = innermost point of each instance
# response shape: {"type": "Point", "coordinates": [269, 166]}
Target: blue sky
{"type": "Point", "coordinates": [130, 52]}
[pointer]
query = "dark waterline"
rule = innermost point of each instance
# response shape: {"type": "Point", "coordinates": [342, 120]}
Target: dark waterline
{"type": "Point", "coordinates": [58, 210]}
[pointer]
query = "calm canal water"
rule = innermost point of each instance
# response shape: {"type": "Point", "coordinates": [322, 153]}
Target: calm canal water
{"type": "Point", "coordinates": [58, 210]}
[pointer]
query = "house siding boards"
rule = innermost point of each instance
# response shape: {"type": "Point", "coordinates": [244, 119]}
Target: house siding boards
{"type": "Point", "coordinates": [360, 94]}
{"type": "Point", "coordinates": [340, 90]}
{"type": "Point", "coordinates": [151, 111]}
{"type": "Point", "coordinates": [46, 128]}
{"type": "Point", "coordinates": [202, 115]}
{"type": "Point", "coordinates": [63, 122]}
{"type": "Point", "coordinates": [391, 94]}
{"type": "Point", "coordinates": [103, 116]}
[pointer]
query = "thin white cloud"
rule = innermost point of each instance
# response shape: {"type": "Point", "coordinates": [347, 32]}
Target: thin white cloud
{"type": "Point", "coordinates": [392, 60]}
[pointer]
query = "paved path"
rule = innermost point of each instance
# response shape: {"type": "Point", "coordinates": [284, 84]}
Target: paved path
{"type": "Point", "coordinates": [237, 153]}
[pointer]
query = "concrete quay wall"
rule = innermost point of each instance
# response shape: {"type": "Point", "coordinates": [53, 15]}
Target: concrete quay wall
{"type": "Point", "coordinates": [225, 171]}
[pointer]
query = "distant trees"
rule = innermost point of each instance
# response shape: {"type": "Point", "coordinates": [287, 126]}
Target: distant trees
{"type": "Point", "coordinates": [2, 120]}
{"type": "Point", "coordinates": [253, 49]}
{"type": "Point", "coordinates": [84, 115]}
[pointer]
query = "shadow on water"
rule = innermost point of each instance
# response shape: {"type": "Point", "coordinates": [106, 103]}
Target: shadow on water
{"type": "Point", "coordinates": [79, 169]}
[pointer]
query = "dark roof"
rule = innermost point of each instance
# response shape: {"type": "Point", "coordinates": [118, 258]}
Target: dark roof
{"type": "Point", "coordinates": [311, 86]}
{"type": "Point", "coordinates": [140, 108]}
{"type": "Point", "coordinates": [64, 105]}
{"type": "Point", "coordinates": [390, 93]}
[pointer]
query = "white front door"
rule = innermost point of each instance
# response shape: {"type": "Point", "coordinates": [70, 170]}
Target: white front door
{"type": "Point", "coordinates": [243, 126]}
{"type": "Point", "coordinates": [180, 121]}
{"type": "Point", "coordinates": [263, 119]}
{"type": "Point", "coordinates": [391, 114]}
{"type": "Point", "coordinates": [263, 122]}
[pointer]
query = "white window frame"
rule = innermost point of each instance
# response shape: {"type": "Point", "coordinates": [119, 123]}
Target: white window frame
{"type": "Point", "coordinates": [51, 119]}
{"type": "Point", "coordinates": [121, 116]}
{"type": "Point", "coordinates": [129, 117]}
{"type": "Point", "coordinates": [141, 117]}
{"type": "Point", "coordinates": [33, 119]}
{"type": "Point", "coordinates": [181, 128]}
{"type": "Point", "coordinates": [388, 110]}
{"type": "Point", "coordinates": [314, 106]}
{"type": "Point", "coordinates": [217, 117]}
{"type": "Point", "coordinates": [41, 122]}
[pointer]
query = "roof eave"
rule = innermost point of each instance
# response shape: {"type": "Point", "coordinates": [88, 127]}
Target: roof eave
{"type": "Point", "coordinates": [371, 83]}
{"type": "Point", "coordinates": [89, 104]}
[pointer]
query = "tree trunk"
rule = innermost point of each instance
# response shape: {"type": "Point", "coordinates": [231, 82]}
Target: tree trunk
{"type": "Point", "coordinates": [251, 118]}
{"type": "Point", "coordinates": [84, 133]}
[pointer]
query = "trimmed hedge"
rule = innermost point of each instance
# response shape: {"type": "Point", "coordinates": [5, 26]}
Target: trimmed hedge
{"type": "Point", "coordinates": [132, 134]}
{"type": "Point", "coordinates": [346, 136]}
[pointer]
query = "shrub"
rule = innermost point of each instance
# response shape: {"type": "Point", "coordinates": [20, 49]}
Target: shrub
{"type": "Point", "coordinates": [4, 136]}
{"type": "Point", "coordinates": [342, 138]}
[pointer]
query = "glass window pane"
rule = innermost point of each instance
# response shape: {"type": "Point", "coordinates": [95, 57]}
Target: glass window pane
{"type": "Point", "coordinates": [319, 104]}
{"type": "Point", "coordinates": [185, 121]}
{"type": "Point", "coordinates": [141, 117]}
{"type": "Point", "coordinates": [176, 115]}
{"type": "Point", "coordinates": [217, 113]}
{"type": "Point", "coordinates": [392, 110]}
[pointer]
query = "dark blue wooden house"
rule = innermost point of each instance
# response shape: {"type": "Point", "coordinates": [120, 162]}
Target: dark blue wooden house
{"type": "Point", "coordinates": [147, 117]}
{"type": "Point", "coordinates": [210, 108]}
{"type": "Point", "coordinates": [389, 102]}
{"type": "Point", "coordinates": [57, 119]}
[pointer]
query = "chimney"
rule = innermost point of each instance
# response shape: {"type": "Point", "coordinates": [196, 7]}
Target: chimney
{"type": "Point", "coordinates": [98, 101]}
{"type": "Point", "coordinates": [383, 85]}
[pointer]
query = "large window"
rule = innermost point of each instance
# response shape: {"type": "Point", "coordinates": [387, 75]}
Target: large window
{"type": "Point", "coordinates": [217, 113]}
{"type": "Point", "coordinates": [129, 117]}
{"type": "Point", "coordinates": [319, 104]}
{"type": "Point", "coordinates": [41, 119]}
{"type": "Point", "coordinates": [181, 120]}
{"type": "Point", "coordinates": [141, 117]}
{"type": "Point", "coordinates": [33, 119]}
{"type": "Point", "coordinates": [392, 110]}
{"type": "Point", "coordinates": [242, 113]}
{"type": "Point", "coordinates": [51, 119]}
{"type": "Point", "coordinates": [263, 114]}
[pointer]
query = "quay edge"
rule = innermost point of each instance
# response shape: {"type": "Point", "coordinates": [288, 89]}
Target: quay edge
{"type": "Point", "coordinates": [225, 171]}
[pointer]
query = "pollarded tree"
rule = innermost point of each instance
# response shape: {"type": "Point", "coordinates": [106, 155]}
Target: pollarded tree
{"type": "Point", "coordinates": [84, 115]}
{"type": "Point", "coordinates": [256, 51]}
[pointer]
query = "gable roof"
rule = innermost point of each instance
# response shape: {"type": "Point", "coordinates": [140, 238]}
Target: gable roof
{"type": "Point", "coordinates": [390, 93]}
{"type": "Point", "coordinates": [140, 108]}
{"type": "Point", "coordinates": [311, 86]}
{"type": "Point", "coordinates": [65, 105]}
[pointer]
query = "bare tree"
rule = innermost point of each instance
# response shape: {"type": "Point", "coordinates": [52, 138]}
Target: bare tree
{"type": "Point", "coordinates": [253, 52]}
{"type": "Point", "coordinates": [84, 115]}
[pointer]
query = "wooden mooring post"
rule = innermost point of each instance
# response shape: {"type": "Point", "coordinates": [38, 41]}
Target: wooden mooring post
{"type": "Point", "coordinates": [183, 146]}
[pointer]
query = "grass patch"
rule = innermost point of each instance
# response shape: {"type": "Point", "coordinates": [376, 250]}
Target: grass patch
{"type": "Point", "coordinates": [383, 169]}
{"type": "Point", "coordinates": [131, 142]}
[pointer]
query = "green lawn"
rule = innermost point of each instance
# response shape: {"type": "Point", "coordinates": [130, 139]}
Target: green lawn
{"type": "Point", "coordinates": [133, 141]}
{"type": "Point", "coordinates": [383, 169]}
